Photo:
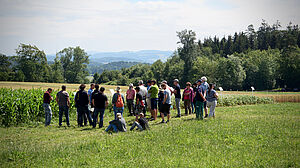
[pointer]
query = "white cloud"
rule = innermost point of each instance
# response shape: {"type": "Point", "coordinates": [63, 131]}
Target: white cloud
{"type": "Point", "coordinates": [129, 25]}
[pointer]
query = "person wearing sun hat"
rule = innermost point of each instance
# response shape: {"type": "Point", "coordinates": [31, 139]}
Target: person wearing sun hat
{"type": "Point", "coordinates": [118, 102]}
{"type": "Point", "coordinates": [205, 88]}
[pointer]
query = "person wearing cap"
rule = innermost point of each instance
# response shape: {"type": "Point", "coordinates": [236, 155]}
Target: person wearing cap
{"type": "Point", "coordinates": [118, 102]}
{"type": "Point", "coordinates": [199, 98]}
{"type": "Point", "coordinates": [81, 102]}
{"type": "Point", "coordinates": [143, 91]}
{"type": "Point", "coordinates": [188, 98]}
{"type": "Point", "coordinates": [100, 102]}
{"type": "Point", "coordinates": [117, 124]}
{"type": "Point", "coordinates": [154, 98]}
{"type": "Point", "coordinates": [168, 87]}
{"type": "Point", "coordinates": [177, 97]}
{"type": "Point", "coordinates": [141, 123]}
{"type": "Point", "coordinates": [130, 95]}
{"type": "Point", "coordinates": [205, 87]}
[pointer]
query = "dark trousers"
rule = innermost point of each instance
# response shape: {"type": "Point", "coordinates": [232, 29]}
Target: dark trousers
{"type": "Point", "coordinates": [99, 111]}
{"type": "Point", "coordinates": [83, 110]}
{"type": "Point", "coordinates": [64, 110]}
{"type": "Point", "coordinates": [130, 105]}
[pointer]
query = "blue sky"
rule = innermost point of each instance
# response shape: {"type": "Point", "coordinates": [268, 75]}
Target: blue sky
{"type": "Point", "coordinates": [118, 25]}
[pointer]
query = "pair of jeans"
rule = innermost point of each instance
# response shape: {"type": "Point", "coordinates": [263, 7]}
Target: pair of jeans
{"type": "Point", "coordinates": [81, 111]}
{"type": "Point", "coordinates": [99, 111]}
{"type": "Point", "coordinates": [48, 113]}
{"type": "Point", "coordinates": [187, 106]}
{"type": "Point", "coordinates": [112, 126]}
{"type": "Point", "coordinates": [118, 110]}
{"type": "Point", "coordinates": [136, 124]}
{"type": "Point", "coordinates": [199, 109]}
{"type": "Point", "coordinates": [193, 107]}
{"type": "Point", "coordinates": [64, 110]}
{"type": "Point", "coordinates": [177, 101]}
{"type": "Point", "coordinates": [211, 105]}
{"type": "Point", "coordinates": [130, 105]}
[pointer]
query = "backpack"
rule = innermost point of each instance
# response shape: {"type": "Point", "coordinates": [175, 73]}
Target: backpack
{"type": "Point", "coordinates": [119, 102]}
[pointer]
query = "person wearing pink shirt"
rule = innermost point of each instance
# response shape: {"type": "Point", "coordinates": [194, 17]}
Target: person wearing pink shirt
{"type": "Point", "coordinates": [188, 98]}
{"type": "Point", "coordinates": [130, 95]}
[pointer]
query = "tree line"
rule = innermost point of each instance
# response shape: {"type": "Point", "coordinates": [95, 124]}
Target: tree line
{"type": "Point", "coordinates": [268, 58]}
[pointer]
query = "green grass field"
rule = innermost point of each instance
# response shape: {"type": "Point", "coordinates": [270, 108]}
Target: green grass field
{"type": "Point", "coordinates": [240, 136]}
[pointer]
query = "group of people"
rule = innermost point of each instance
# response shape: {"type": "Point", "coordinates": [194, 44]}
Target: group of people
{"type": "Point", "coordinates": [153, 98]}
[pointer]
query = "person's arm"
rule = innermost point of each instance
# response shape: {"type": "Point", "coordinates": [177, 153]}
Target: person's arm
{"type": "Point", "coordinates": [106, 103]}
{"type": "Point", "coordinates": [56, 99]}
{"type": "Point", "coordinates": [202, 96]}
{"type": "Point", "coordinates": [93, 102]}
{"type": "Point", "coordinates": [68, 101]}
{"type": "Point", "coordinates": [165, 98]}
{"type": "Point", "coordinates": [113, 101]}
{"type": "Point", "coordinates": [123, 99]}
{"type": "Point", "coordinates": [89, 99]}
{"type": "Point", "coordinates": [216, 95]}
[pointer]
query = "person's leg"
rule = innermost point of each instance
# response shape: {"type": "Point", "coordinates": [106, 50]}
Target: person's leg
{"type": "Point", "coordinates": [60, 113]}
{"type": "Point", "coordinates": [212, 106]}
{"type": "Point", "coordinates": [177, 100]}
{"type": "Point", "coordinates": [67, 115]}
{"type": "Point", "coordinates": [139, 126]}
{"type": "Point", "coordinates": [201, 110]}
{"type": "Point", "coordinates": [95, 117]}
{"type": "Point", "coordinates": [101, 117]}
{"type": "Point", "coordinates": [168, 112]}
{"type": "Point", "coordinates": [115, 128]}
{"type": "Point", "coordinates": [89, 117]}
{"type": "Point", "coordinates": [205, 108]}
{"type": "Point", "coordinates": [80, 116]}
{"type": "Point", "coordinates": [46, 114]}
{"type": "Point", "coordinates": [193, 109]}
{"type": "Point", "coordinates": [84, 117]}
{"type": "Point", "coordinates": [185, 107]}
{"type": "Point", "coordinates": [197, 109]}
{"type": "Point", "coordinates": [189, 106]}
{"type": "Point", "coordinates": [109, 127]}
{"type": "Point", "coordinates": [155, 109]}
{"type": "Point", "coordinates": [133, 126]}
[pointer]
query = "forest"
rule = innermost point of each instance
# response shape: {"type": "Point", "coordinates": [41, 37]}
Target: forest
{"type": "Point", "coordinates": [267, 58]}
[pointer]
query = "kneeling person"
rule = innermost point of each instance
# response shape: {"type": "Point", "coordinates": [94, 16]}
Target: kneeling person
{"type": "Point", "coordinates": [141, 123]}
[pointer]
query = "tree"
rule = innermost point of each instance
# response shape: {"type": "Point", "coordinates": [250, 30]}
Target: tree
{"type": "Point", "coordinates": [230, 73]}
{"type": "Point", "coordinates": [74, 62]}
{"type": "Point", "coordinates": [33, 63]}
{"type": "Point", "coordinates": [4, 68]}
{"type": "Point", "coordinates": [57, 71]}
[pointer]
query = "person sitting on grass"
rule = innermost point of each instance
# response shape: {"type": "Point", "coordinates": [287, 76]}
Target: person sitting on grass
{"type": "Point", "coordinates": [117, 125]}
{"type": "Point", "coordinates": [166, 104]}
{"type": "Point", "coordinates": [211, 99]}
{"type": "Point", "coordinates": [141, 123]}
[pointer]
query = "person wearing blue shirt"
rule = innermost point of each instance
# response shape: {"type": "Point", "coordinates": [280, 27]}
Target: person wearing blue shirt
{"type": "Point", "coordinates": [166, 104]}
{"type": "Point", "coordinates": [205, 87]}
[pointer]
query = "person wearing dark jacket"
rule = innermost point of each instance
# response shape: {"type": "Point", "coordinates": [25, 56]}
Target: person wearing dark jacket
{"type": "Point", "coordinates": [141, 123]}
{"type": "Point", "coordinates": [81, 103]}
{"type": "Point", "coordinates": [117, 125]}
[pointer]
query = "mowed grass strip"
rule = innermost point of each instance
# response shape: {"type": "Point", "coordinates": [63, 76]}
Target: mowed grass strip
{"type": "Point", "coordinates": [240, 136]}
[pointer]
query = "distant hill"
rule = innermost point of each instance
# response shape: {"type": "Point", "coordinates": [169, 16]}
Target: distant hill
{"type": "Point", "coordinates": [99, 67]}
{"type": "Point", "coordinates": [143, 56]}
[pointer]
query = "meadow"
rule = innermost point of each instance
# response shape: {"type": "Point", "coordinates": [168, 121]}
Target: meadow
{"type": "Point", "coordinates": [265, 135]}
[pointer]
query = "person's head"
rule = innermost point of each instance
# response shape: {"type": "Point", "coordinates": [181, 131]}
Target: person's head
{"type": "Point", "coordinates": [141, 115]}
{"type": "Point", "coordinates": [82, 87]}
{"type": "Point", "coordinates": [119, 115]}
{"type": "Point", "coordinates": [49, 90]}
{"type": "Point", "coordinates": [102, 89]}
{"type": "Point", "coordinates": [203, 79]}
{"type": "Point", "coordinates": [153, 82]}
{"type": "Point", "coordinates": [163, 86]}
{"type": "Point", "coordinates": [63, 87]}
{"type": "Point", "coordinates": [164, 82]}
{"type": "Point", "coordinates": [149, 83]}
{"type": "Point", "coordinates": [92, 86]}
{"type": "Point", "coordinates": [97, 87]}
{"type": "Point", "coordinates": [176, 81]}
{"type": "Point", "coordinates": [199, 82]}
{"type": "Point", "coordinates": [118, 89]}
{"type": "Point", "coordinates": [195, 84]}
{"type": "Point", "coordinates": [137, 89]}
{"type": "Point", "coordinates": [141, 82]}
{"type": "Point", "coordinates": [211, 86]}
{"type": "Point", "coordinates": [130, 86]}
{"type": "Point", "coordinates": [188, 85]}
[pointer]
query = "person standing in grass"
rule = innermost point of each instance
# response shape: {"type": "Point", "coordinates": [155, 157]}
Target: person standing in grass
{"type": "Point", "coordinates": [177, 97]}
{"type": "Point", "coordinates": [199, 97]}
{"type": "Point", "coordinates": [160, 99]}
{"type": "Point", "coordinates": [130, 94]}
{"type": "Point", "coordinates": [90, 92]}
{"type": "Point", "coordinates": [141, 123]}
{"type": "Point", "coordinates": [63, 101]}
{"type": "Point", "coordinates": [194, 101]}
{"type": "Point", "coordinates": [211, 98]}
{"type": "Point", "coordinates": [117, 124]}
{"type": "Point", "coordinates": [154, 98]}
{"type": "Point", "coordinates": [100, 102]}
{"type": "Point", "coordinates": [118, 102]}
{"type": "Point", "coordinates": [205, 87]}
{"type": "Point", "coordinates": [188, 98]}
{"type": "Point", "coordinates": [47, 98]}
{"type": "Point", "coordinates": [166, 104]}
{"type": "Point", "coordinates": [81, 102]}
{"type": "Point", "coordinates": [143, 92]}
{"type": "Point", "coordinates": [139, 104]}
{"type": "Point", "coordinates": [148, 99]}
